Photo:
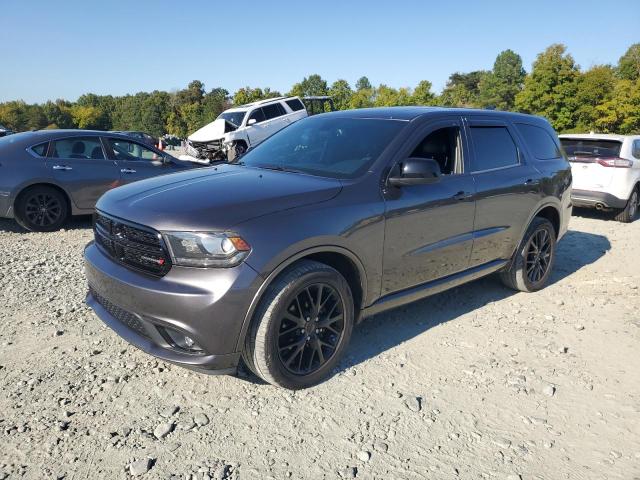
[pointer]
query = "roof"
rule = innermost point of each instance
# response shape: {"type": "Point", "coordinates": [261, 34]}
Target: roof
{"type": "Point", "coordinates": [46, 135]}
{"type": "Point", "coordinates": [410, 113]}
{"type": "Point", "coordinates": [597, 136]}
{"type": "Point", "coordinates": [259, 102]}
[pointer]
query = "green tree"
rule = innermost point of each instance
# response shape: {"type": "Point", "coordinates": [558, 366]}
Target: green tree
{"type": "Point", "coordinates": [386, 96]}
{"type": "Point", "coordinates": [362, 98]}
{"type": "Point", "coordinates": [550, 89]}
{"type": "Point", "coordinates": [422, 94]}
{"type": "Point", "coordinates": [463, 89]}
{"type": "Point", "coordinates": [593, 87]}
{"type": "Point", "coordinates": [341, 94]}
{"type": "Point", "coordinates": [499, 87]}
{"type": "Point", "coordinates": [86, 116]}
{"type": "Point", "coordinates": [310, 86]}
{"type": "Point", "coordinates": [363, 83]}
{"type": "Point", "coordinates": [13, 115]}
{"type": "Point", "coordinates": [629, 63]}
{"type": "Point", "coordinates": [58, 114]}
{"type": "Point", "coordinates": [621, 113]}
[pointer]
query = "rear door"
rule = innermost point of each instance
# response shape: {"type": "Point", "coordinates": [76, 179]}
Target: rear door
{"type": "Point", "coordinates": [80, 166]}
{"type": "Point", "coordinates": [584, 156]}
{"type": "Point", "coordinates": [136, 161]}
{"type": "Point", "coordinates": [508, 188]}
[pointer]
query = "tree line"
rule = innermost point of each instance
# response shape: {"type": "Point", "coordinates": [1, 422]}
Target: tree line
{"type": "Point", "coordinates": [603, 98]}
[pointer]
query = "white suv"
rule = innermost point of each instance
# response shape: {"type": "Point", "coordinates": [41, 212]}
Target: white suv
{"type": "Point", "coordinates": [606, 172]}
{"type": "Point", "coordinates": [240, 128]}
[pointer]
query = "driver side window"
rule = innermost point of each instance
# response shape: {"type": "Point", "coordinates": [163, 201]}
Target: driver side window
{"type": "Point", "coordinates": [442, 145]}
{"type": "Point", "coordinates": [125, 150]}
{"type": "Point", "coordinates": [257, 115]}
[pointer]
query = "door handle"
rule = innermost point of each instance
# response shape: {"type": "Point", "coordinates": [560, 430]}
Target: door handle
{"type": "Point", "coordinates": [461, 195]}
{"type": "Point", "coordinates": [127, 170]}
{"type": "Point", "coordinates": [62, 167]}
{"type": "Point", "coordinates": [531, 181]}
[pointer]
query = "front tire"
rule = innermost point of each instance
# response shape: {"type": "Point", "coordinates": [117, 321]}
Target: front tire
{"type": "Point", "coordinates": [41, 209]}
{"type": "Point", "coordinates": [628, 213]}
{"type": "Point", "coordinates": [236, 151]}
{"type": "Point", "coordinates": [532, 263]}
{"type": "Point", "coordinates": [301, 327]}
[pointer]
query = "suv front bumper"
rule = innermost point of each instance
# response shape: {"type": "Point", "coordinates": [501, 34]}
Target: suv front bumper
{"type": "Point", "coordinates": [590, 198]}
{"type": "Point", "coordinates": [208, 305]}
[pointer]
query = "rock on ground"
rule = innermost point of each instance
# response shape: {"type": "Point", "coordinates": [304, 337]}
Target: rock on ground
{"type": "Point", "coordinates": [79, 402]}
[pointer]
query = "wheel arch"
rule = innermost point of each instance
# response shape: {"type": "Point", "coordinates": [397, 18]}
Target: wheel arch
{"type": "Point", "coordinates": [25, 188]}
{"type": "Point", "coordinates": [340, 258]}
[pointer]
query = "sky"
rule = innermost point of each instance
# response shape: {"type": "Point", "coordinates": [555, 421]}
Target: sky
{"type": "Point", "coordinates": [62, 49]}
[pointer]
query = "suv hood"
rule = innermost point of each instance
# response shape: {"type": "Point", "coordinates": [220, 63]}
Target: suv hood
{"type": "Point", "coordinates": [214, 198]}
{"type": "Point", "coordinates": [212, 131]}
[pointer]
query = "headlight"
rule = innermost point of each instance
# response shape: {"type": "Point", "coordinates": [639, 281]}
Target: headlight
{"type": "Point", "coordinates": [193, 249]}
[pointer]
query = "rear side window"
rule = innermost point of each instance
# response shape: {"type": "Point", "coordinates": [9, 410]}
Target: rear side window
{"type": "Point", "coordinates": [272, 111]}
{"type": "Point", "coordinates": [78, 147]}
{"type": "Point", "coordinates": [581, 147]}
{"type": "Point", "coordinates": [539, 141]}
{"type": "Point", "coordinates": [41, 149]}
{"type": "Point", "coordinates": [494, 148]}
{"type": "Point", "coordinates": [635, 151]}
{"type": "Point", "coordinates": [295, 104]}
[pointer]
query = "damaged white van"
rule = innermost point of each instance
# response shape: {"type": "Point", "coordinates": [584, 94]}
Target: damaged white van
{"type": "Point", "coordinates": [240, 128]}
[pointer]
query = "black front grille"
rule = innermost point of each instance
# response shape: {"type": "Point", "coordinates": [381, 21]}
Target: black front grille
{"type": "Point", "coordinates": [136, 247]}
{"type": "Point", "coordinates": [120, 314]}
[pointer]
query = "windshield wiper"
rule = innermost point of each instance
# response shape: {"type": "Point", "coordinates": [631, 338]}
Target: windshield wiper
{"type": "Point", "coordinates": [279, 168]}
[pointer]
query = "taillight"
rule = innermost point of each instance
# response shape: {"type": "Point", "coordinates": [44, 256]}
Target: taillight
{"type": "Point", "coordinates": [615, 162]}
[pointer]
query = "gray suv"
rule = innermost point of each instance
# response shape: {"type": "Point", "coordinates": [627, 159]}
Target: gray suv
{"type": "Point", "coordinates": [339, 216]}
{"type": "Point", "coordinates": [48, 175]}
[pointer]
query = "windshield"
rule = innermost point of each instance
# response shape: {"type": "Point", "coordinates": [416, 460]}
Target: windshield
{"type": "Point", "coordinates": [579, 147]}
{"type": "Point", "coordinates": [233, 117]}
{"type": "Point", "coordinates": [326, 146]}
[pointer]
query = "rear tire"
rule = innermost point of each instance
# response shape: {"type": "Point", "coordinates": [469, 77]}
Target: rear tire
{"type": "Point", "coordinates": [301, 326]}
{"type": "Point", "coordinates": [41, 209]}
{"type": "Point", "coordinates": [532, 263]}
{"type": "Point", "coordinates": [629, 212]}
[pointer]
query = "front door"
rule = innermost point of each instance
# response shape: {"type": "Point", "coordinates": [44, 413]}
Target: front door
{"type": "Point", "coordinates": [137, 161]}
{"type": "Point", "coordinates": [429, 228]}
{"type": "Point", "coordinates": [80, 166]}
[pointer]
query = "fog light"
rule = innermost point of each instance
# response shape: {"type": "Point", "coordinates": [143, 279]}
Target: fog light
{"type": "Point", "coordinates": [182, 341]}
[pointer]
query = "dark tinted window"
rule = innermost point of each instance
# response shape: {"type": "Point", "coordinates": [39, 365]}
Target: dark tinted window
{"type": "Point", "coordinates": [635, 151]}
{"type": "Point", "coordinates": [442, 146]}
{"type": "Point", "coordinates": [272, 111]}
{"type": "Point", "coordinates": [78, 147]}
{"type": "Point", "coordinates": [539, 141]}
{"type": "Point", "coordinates": [40, 150]}
{"type": "Point", "coordinates": [580, 147]}
{"type": "Point", "coordinates": [126, 150]}
{"type": "Point", "coordinates": [493, 148]}
{"type": "Point", "coordinates": [257, 114]}
{"type": "Point", "coordinates": [295, 104]}
{"type": "Point", "coordinates": [327, 147]}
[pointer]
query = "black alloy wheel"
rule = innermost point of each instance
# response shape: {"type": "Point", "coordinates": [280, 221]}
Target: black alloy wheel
{"type": "Point", "coordinates": [311, 329]}
{"type": "Point", "coordinates": [538, 255]}
{"type": "Point", "coordinates": [41, 209]}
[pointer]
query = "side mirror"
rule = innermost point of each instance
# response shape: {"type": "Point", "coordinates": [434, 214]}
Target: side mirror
{"type": "Point", "coordinates": [416, 171]}
{"type": "Point", "coordinates": [251, 121]}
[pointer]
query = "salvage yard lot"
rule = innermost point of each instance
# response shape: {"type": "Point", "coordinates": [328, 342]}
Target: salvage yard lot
{"type": "Point", "coordinates": [477, 382]}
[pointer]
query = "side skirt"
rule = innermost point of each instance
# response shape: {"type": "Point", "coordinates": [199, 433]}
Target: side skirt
{"type": "Point", "coordinates": [412, 294]}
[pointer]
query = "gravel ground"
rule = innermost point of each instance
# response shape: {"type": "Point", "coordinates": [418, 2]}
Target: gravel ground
{"type": "Point", "coordinates": [478, 382]}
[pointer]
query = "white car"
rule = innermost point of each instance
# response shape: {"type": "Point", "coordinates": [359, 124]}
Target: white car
{"type": "Point", "coordinates": [240, 128]}
{"type": "Point", "coordinates": [606, 172]}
